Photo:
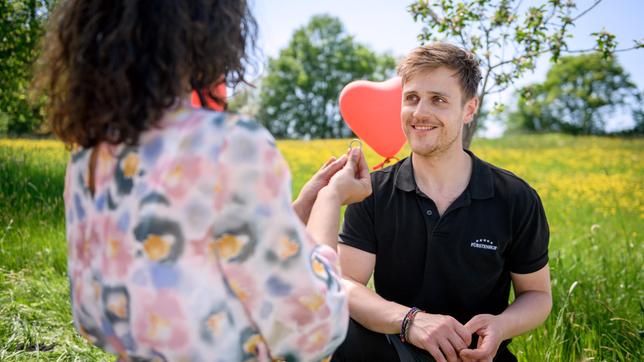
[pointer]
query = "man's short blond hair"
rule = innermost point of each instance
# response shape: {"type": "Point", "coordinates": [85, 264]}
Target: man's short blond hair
{"type": "Point", "coordinates": [435, 55]}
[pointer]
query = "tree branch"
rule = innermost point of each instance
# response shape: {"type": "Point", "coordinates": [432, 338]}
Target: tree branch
{"type": "Point", "coordinates": [516, 8]}
{"type": "Point", "coordinates": [500, 64]}
{"type": "Point", "coordinates": [460, 35]}
{"type": "Point", "coordinates": [494, 90]}
{"type": "Point", "coordinates": [586, 11]}
{"type": "Point", "coordinates": [433, 15]}
{"type": "Point", "coordinates": [552, 15]}
{"type": "Point", "coordinates": [567, 51]}
{"type": "Point", "coordinates": [598, 50]}
{"type": "Point", "coordinates": [489, 66]}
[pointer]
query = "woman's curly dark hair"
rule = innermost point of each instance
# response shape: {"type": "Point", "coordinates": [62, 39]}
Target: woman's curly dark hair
{"type": "Point", "coordinates": [110, 68]}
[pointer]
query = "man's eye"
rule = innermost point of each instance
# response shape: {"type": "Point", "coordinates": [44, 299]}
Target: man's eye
{"type": "Point", "coordinates": [411, 98]}
{"type": "Point", "coordinates": [440, 100]}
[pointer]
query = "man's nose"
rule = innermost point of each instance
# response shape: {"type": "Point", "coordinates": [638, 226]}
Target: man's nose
{"type": "Point", "coordinates": [423, 109]}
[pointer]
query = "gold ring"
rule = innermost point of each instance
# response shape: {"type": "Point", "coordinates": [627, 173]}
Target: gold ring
{"type": "Point", "coordinates": [355, 140]}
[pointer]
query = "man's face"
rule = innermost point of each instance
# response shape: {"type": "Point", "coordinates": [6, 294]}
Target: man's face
{"type": "Point", "coordinates": [433, 113]}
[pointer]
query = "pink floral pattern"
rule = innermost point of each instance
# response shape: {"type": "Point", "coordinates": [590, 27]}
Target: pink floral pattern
{"type": "Point", "coordinates": [189, 248]}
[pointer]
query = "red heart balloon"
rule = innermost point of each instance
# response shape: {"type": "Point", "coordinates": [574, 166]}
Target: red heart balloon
{"type": "Point", "coordinates": [219, 89]}
{"type": "Point", "coordinates": [372, 111]}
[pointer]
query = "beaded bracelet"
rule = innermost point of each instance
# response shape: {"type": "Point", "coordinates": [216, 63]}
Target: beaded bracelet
{"type": "Point", "coordinates": [406, 324]}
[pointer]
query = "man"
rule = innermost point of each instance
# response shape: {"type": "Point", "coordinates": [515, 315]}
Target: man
{"type": "Point", "coordinates": [444, 232]}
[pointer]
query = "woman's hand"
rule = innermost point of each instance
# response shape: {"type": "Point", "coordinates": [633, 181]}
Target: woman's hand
{"type": "Point", "coordinates": [348, 185]}
{"type": "Point", "coordinates": [352, 183]}
{"type": "Point", "coordinates": [309, 192]}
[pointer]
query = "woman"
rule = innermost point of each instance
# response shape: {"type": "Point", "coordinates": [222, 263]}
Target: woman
{"type": "Point", "coordinates": [183, 244]}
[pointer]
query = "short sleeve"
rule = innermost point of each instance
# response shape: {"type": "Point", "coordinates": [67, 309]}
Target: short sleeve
{"type": "Point", "coordinates": [358, 227]}
{"type": "Point", "coordinates": [289, 285]}
{"type": "Point", "coordinates": [529, 248]}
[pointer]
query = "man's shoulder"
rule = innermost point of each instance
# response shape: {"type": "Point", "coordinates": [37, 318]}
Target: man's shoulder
{"type": "Point", "coordinates": [385, 178]}
{"type": "Point", "coordinates": [509, 185]}
{"type": "Point", "coordinates": [386, 172]}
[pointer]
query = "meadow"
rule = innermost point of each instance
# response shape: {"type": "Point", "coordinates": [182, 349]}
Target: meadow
{"type": "Point", "coordinates": [592, 189]}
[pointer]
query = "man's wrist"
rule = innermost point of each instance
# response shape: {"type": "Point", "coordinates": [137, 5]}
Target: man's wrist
{"type": "Point", "coordinates": [398, 313]}
{"type": "Point", "coordinates": [406, 323]}
{"type": "Point", "coordinates": [503, 325]}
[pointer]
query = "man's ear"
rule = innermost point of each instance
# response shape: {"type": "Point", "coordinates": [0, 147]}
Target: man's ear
{"type": "Point", "coordinates": [470, 109]}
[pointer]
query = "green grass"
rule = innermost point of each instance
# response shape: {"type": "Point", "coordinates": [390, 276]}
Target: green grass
{"type": "Point", "coordinates": [592, 189]}
{"type": "Point", "coordinates": [35, 318]}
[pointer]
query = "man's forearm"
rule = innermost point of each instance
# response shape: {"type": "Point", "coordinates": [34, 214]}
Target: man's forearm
{"type": "Point", "coordinates": [372, 311]}
{"type": "Point", "coordinates": [528, 311]}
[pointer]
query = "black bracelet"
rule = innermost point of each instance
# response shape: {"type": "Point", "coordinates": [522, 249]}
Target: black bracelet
{"type": "Point", "coordinates": [406, 324]}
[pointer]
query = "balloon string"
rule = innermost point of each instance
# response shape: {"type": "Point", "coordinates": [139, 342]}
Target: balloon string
{"type": "Point", "coordinates": [383, 163]}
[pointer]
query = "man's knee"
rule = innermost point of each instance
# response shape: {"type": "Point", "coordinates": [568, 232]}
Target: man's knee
{"type": "Point", "coordinates": [362, 344]}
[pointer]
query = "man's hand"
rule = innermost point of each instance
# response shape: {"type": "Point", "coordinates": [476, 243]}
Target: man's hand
{"type": "Point", "coordinates": [490, 332]}
{"type": "Point", "coordinates": [309, 192]}
{"type": "Point", "coordinates": [440, 335]}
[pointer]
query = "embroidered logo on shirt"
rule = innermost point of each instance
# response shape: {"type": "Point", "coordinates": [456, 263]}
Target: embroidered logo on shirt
{"type": "Point", "coordinates": [483, 244]}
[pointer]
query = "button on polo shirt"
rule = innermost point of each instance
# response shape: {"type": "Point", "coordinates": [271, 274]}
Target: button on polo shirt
{"type": "Point", "coordinates": [458, 263]}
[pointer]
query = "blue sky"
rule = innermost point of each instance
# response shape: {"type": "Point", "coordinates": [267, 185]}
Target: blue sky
{"type": "Point", "coordinates": [387, 26]}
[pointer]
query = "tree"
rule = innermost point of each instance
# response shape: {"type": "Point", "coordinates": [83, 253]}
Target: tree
{"type": "Point", "coordinates": [22, 25]}
{"type": "Point", "coordinates": [507, 37]}
{"type": "Point", "coordinates": [299, 95]}
{"type": "Point", "coordinates": [245, 99]}
{"type": "Point", "coordinates": [579, 93]}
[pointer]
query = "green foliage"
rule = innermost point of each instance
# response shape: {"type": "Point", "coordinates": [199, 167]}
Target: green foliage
{"type": "Point", "coordinates": [606, 43]}
{"type": "Point", "coordinates": [245, 100]}
{"type": "Point", "coordinates": [579, 93]}
{"type": "Point", "coordinates": [299, 95]}
{"type": "Point", "coordinates": [22, 25]}
{"type": "Point", "coordinates": [508, 36]}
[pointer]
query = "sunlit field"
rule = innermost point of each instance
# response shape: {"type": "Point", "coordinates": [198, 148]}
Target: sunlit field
{"type": "Point", "coordinates": [592, 189]}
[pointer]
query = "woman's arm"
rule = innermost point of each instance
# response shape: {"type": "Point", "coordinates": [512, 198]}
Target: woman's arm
{"type": "Point", "coordinates": [289, 283]}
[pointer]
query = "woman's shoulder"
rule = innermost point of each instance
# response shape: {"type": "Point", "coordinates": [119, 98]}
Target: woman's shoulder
{"type": "Point", "coordinates": [193, 130]}
{"type": "Point", "coordinates": [239, 134]}
{"type": "Point", "coordinates": [220, 140]}
{"type": "Point", "coordinates": [227, 124]}
{"type": "Point", "coordinates": [241, 126]}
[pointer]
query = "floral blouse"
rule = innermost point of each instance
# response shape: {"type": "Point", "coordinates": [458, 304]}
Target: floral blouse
{"type": "Point", "coordinates": [189, 249]}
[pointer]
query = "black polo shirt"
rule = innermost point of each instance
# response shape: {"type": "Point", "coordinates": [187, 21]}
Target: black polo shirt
{"type": "Point", "coordinates": [457, 264]}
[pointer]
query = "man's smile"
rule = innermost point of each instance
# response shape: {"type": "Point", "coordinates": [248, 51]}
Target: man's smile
{"type": "Point", "coordinates": [423, 127]}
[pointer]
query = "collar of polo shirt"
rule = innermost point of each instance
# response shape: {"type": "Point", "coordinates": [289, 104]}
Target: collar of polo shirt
{"type": "Point", "coordinates": [480, 186]}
